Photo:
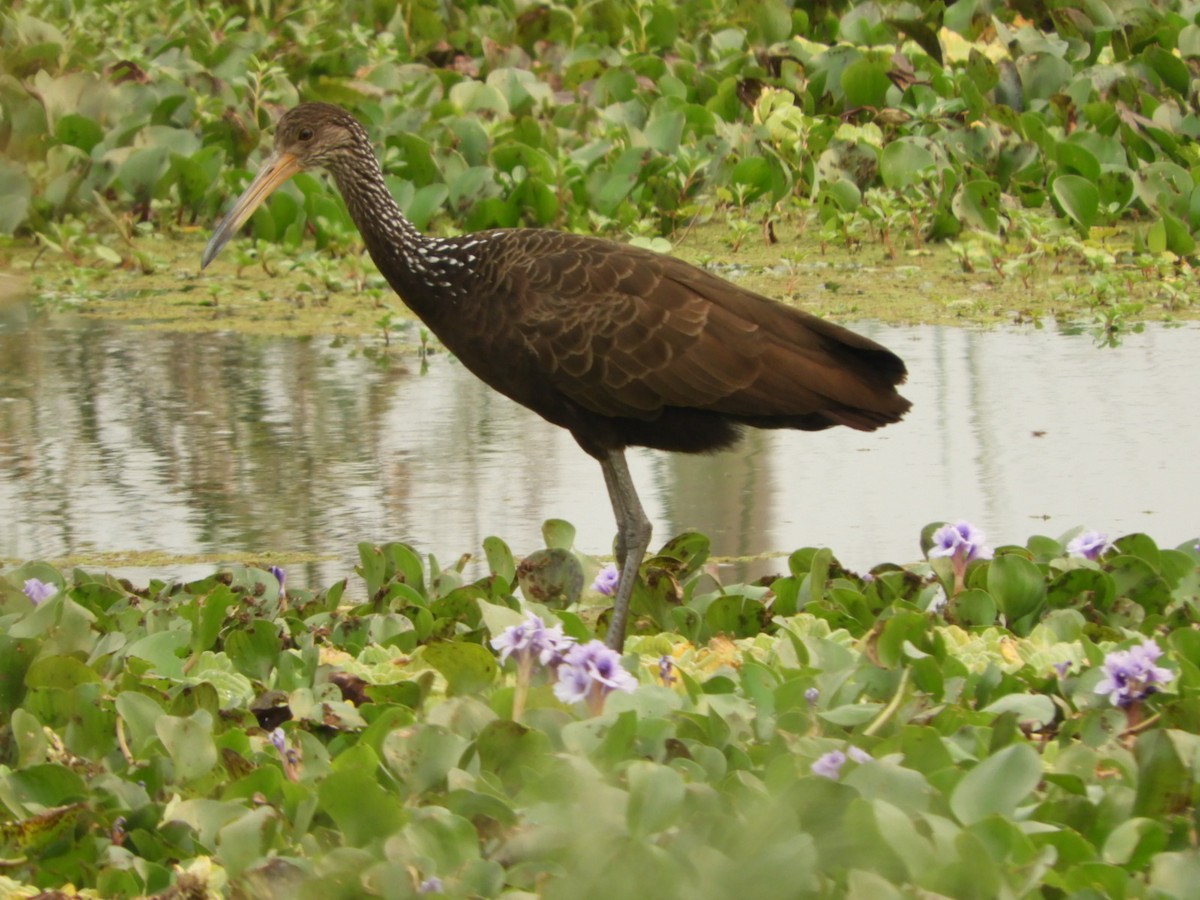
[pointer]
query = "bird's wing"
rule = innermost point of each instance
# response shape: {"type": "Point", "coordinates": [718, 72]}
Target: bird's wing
{"type": "Point", "coordinates": [625, 332]}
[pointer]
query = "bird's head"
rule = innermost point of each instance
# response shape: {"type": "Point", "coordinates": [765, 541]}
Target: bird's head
{"type": "Point", "coordinates": [309, 136]}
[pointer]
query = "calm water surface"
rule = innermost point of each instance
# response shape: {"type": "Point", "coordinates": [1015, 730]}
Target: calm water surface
{"type": "Point", "coordinates": [117, 440]}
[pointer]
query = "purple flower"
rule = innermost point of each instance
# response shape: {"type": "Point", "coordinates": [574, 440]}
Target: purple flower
{"type": "Point", "coordinates": [830, 765]}
{"type": "Point", "coordinates": [812, 695]}
{"type": "Point", "coordinates": [533, 640]}
{"type": "Point", "coordinates": [1131, 675]}
{"type": "Point", "coordinates": [279, 575]}
{"type": "Point", "coordinates": [37, 591]}
{"type": "Point", "coordinates": [431, 885]}
{"type": "Point", "coordinates": [590, 672]}
{"type": "Point", "coordinates": [1062, 668]}
{"type": "Point", "coordinates": [279, 739]}
{"type": "Point", "coordinates": [1089, 545]}
{"type": "Point", "coordinates": [961, 541]}
{"type": "Point", "coordinates": [665, 670]}
{"type": "Point", "coordinates": [859, 755]}
{"type": "Point", "coordinates": [606, 580]}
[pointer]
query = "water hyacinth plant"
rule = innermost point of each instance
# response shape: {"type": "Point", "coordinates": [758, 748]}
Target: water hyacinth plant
{"type": "Point", "coordinates": [1089, 545]}
{"type": "Point", "coordinates": [531, 643]}
{"type": "Point", "coordinates": [829, 765]}
{"type": "Point", "coordinates": [962, 543]}
{"type": "Point", "coordinates": [1132, 675]}
{"type": "Point", "coordinates": [753, 696]}
{"type": "Point", "coordinates": [962, 540]}
{"type": "Point", "coordinates": [606, 580]}
{"type": "Point", "coordinates": [589, 673]}
{"type": "Point", "coordinates": [38, 591]}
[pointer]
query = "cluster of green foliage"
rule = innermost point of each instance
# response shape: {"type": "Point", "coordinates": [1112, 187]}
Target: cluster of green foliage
{"type": "Point", "coordinates": [637, 116]}
{"type": "Point", "coordinates": [225, 738]}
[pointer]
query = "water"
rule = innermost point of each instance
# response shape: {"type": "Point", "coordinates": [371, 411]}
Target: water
{"type": "Point", "coordinates": [115, 440]}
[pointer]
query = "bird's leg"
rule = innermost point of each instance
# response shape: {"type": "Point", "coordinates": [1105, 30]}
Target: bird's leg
{"type": "Point", "coordinates": [633, 537]}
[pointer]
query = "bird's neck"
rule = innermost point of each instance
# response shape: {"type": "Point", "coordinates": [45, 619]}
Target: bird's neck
{"type": "Point", "coordinates": [407, 258]}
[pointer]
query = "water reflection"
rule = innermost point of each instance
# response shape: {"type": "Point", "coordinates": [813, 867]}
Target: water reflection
{"type": "Point", "coordinates": [117, 440]}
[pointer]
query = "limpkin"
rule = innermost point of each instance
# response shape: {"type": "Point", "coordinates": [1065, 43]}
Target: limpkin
{"type": "Point", "coordinates": [619, 345]}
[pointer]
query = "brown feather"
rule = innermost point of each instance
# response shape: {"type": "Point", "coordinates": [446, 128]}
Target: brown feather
{"type": "Point", "coordinates": [581, 330]}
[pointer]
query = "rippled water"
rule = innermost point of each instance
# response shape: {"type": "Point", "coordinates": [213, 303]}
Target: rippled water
{"type": "Point", "coordinates": [114, 440]}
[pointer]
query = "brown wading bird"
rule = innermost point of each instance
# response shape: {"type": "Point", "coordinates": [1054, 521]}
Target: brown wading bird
{"type": "Point", "coordinates": [621, 346]}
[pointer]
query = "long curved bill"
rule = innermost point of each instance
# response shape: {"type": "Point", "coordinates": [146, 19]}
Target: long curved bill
{"type": "Point", "coordinates": [277, 169]}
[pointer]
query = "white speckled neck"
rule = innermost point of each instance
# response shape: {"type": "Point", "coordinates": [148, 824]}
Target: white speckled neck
{"type": "Point", "coordinates": [430, 263]}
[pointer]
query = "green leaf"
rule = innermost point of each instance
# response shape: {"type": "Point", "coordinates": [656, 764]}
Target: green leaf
{"type": "Point", "coordinates": [189, 742]}
{"type": "Point", "coordinates": [1179, 238]}
{"type": "Point", "coordinates": [1019, 590]}
{"type": "Point", "coordinates": [426, 203]}
{"type": "Point", "coordinates": [865, 83]}
{"type": "Point", "coordinates": [244, 842]}
{"type": "Point", "coordinates": [1134, 842]}
{"type": "Point", "coordinates": [656, 795]}
{"type": "Point", "coordinates": [904, 162]}
{"type": "Point", "coordinates": [29, 737]}
{"type": "Point", "coordinates": [447, 841]}
{"type": "Point", "coordinates": [421, 755]}
{"type": "Point", "coordinates": [361, 809]}
{"type": "Point", "coordinates": [1075, 159]}
{"type": "Point", "coordinates": [59, 673]}
{"type": "Point", "coordinates": [1079, 198]}
{"type": "Point", "coordinates": [558, 534]}
{"type": "Point", "coordinates": [16, 193]}
{"type": "Point", "coordinates": [997, 785]}
{"type": "Point", "coordinates": [975, 607]}
{"type": "Point", "coordinates": [161, 650]}
{"type": "Point", "coordinates": [78, 131]}
{"type": "Point", "coordinates": [1164, 781]}
{"type": "Point", "coordinates": [664, 131]}
{"type": "Point", "coordinates": [467, 668]}
{"type": "Point", "coordinates": [512, 753]}
{"type": "Point", "coordinates": [735, 616]}
{"type": "Point", "coordinates": [41, 786]}
{"type": "Point", "coordinates": [552, 576]}
{"type": "Point", "coordinates": [1036, 710]}
{"type": "Point", "coordinates": [614, 186]}
{"type": "Point", "coordinates": [140, 714]}
{"type": "Point", "coordinates": [500, 559]}
{"type": "Point", "coordinates": [1170, 68]}
{"type": "Point", "coordinates": [978, 205]}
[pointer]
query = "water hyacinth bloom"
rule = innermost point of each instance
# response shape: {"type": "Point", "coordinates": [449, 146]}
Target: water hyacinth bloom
{"type": "Point", "coordinates": [279, 576]}
{"type": "Point", "coordinates": [960, 541]}
{"type": "Point", "coordinates": [812, 695]}
{"type": "Point", "coordinates": [591, 672]}
{"type": "Point", "coordinates": [1132, 675]}
{"type": "Point", "coordinates": [431, 885]}
{"type": "Point", "coordinates": [37, 590]}
{"type": "Point", "coordinates": [666, 670]}
{"type": "Point", "coordinates": [859, 755]}
{"type": "Point", "coordinates": [279, 740]}
{"type": "Point", "coordinates": [606, 580]}
{"type": "Point", "coordinates": [829, 765]}
{"type": "Point", "coordinates": [1089, 545]}
{"type": "Point", "coordinates": [532, 640]}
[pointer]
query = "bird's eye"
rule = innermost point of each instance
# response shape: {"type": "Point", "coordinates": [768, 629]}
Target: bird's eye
{"type": "Point", "coordinates": [306, 134]}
